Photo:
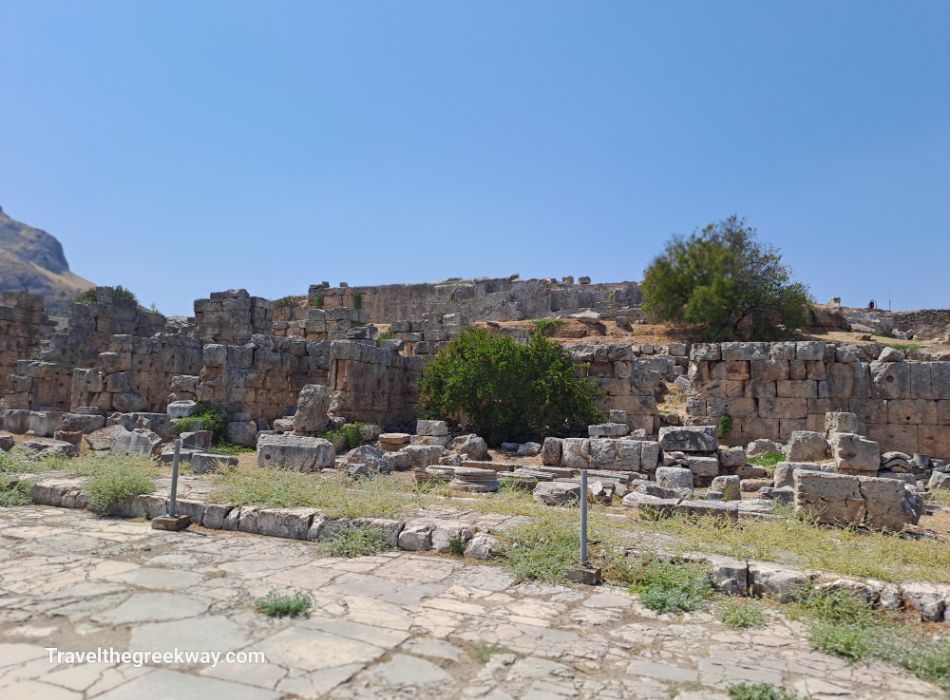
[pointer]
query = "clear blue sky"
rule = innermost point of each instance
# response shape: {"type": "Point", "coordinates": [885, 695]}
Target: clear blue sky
{"type": "Point", "coordinates": [179, 147]}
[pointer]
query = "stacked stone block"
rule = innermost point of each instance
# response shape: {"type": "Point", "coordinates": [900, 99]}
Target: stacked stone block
{"type": "Point", "coordinates": [773, 389]}
{"type": "Point", "coordinates": [232, 316]}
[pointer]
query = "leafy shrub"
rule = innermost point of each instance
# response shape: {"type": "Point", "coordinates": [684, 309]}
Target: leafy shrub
{"type": "Point", "coordinates": [725, 280]}
{"type": "Point", "coordinates": [113, 480]}
{"type": "Point", "coordinates": [767, 459]}
{"type": "Point", "coordinates": [208, 416]}
{"type": "Point", "coordinates": [357, 300]}
{"type": "Point", "coordinates": [385, 335]}
{"type": "Point", "coordinates": [276, 605]}
{"type": "Point", "coordinates": [724, 427]}
{"type": "Point", "coordinates": [354, 540]}
{"type": "Point", "coordinates": [287, 301]}
{"type": "Point", "coordinates": [316, 301]}
{"type": "Point", "coordinates": [15, 493]}
{"type": "Point", "coordinates": [119, 291]}
{"type": "Point", "coordinates": [505, 391]}
{"type": "Point", "coordinates": [349, 432]}
{"type": "Point", "coordinates": [548, 326]}
{"type": "Point", "coordinates": [666, 586]}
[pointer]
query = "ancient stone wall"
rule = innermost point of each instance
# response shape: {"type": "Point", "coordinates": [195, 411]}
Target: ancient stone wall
{"type": "Point", "coordinates": [503, 299]}
{"type": "Point", "coordinates": [23, 326]}
{"type": "Point", "coordinates": [773, 389]}
{"type": "Point", "coordinates": [232, 316]}
{"type": "Point", "coordinates": [377, 385]}
{"type": "Point", "coordinates": [44, 379]}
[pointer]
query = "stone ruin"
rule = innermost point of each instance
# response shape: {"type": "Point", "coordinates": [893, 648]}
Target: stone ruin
{"type": "Point", "coordinates": [117, 374]}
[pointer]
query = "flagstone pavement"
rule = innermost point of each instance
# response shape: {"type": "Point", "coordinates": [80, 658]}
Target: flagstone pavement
{"type": "Point", "coordinates": [388, 626]}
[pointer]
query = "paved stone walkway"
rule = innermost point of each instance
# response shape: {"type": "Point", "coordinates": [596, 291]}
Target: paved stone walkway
{"type": "Point", "coordinates": [387, 626]}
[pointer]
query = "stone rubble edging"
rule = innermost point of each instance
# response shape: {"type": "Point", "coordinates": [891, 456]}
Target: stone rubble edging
{"type": "Point", "coordinates": [729, 575]}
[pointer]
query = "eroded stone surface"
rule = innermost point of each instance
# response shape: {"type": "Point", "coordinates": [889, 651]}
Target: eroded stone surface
{"type": "Point", "coordinates": [398, 624]}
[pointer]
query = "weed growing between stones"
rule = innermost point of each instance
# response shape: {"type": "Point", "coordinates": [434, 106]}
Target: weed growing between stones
{"type": "Point", "coordinates": [761, 691]}
{"type": "Point", "coordinates": [767, 459]}
{"type": "Point", "coordinates": [542, 549]}
{"type": "Point", "coordinates": [354, 540]}
{"type": "Point", "coordinates": [456, 547]}
{"type": "Point", "coordinates": [113, 479]}
{"type": "Point", "coordinates": [740, 613]}
{"type": "Point", "coordinates": [16, 462]}
{"type": "Point", "coordinates": [665, 586]}
{"type": "Point", "coordinates": [287, 605]}
{"type": "Point", "coordinates": [15, 493]}
{"type": "Point", "coordinates": [841, 623]}
{"type": "Point", "coordinates": [482, 653]}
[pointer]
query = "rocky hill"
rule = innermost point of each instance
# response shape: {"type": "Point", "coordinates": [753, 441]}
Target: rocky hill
{"type": "Point", "coordinates": [33, 260]}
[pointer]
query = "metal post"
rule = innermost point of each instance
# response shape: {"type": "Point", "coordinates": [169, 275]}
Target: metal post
{"type": "Point", "coordinates": [583, 517]}
{"type": "Point", "coordinates": [173, 501]}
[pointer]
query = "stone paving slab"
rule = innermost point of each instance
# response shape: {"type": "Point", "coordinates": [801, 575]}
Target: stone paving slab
{"type": "Point", "coordinates": [398, 624]}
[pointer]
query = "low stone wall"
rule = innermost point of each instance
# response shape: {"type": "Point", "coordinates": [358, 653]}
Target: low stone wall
{"type": "Point", "coordinates": [502, 299]}
{"type": "Point", "coordinates": [773, 389]}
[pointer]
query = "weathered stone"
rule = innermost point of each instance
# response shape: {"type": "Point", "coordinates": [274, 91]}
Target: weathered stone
{"type": "Point", "coordinates": [313, 405]}
{"type": "Point", "coordinates": [434, 428]}
{"type": "Point", "coordinates": [762, 445]}
{"type": "Point", "coordinates": [294, 452]}
{"type": "Point", "coordinates": [841, 422]}
{"type": "Point", "coordinates": [939, 480]}
{"type": "Point", "coordinates": [48, 447]}
{"type": "Point", "coordinates": [705, 507]}
{"type": "Point", "coordinates": [854, 454]}
{"type": "Point", "coordinates": [528, 449]}
{"type": "Point", "coordinates": [557, 493]}
{"type": "Point", "coordinates": [551, 452]}
{"type": "Point", "coordinates": [182, 409]}
{"type": "Point", "coordinates": [372, 457]}
{"type": "Point", "coordinates": [423, 455]}
{"type": "Point", "coordinates": [483, 546]}
{"type": "Point", "coordinates": [289, 523]}
{"type": "Point", "coordinates": [806, 446]}
{"type": "Point", "coordinates": [784, 473]}
{"type": "Point", "coordinates": [703, 466]}
{"type": "Point", "coordinates": [196, 440]}
{"type": "Point", "coordinates": [689, 438]}
{"type": "Point", "coordinates": [82, 422]}
{"type": "Point", "coordinates": [732, 457]}
{"type": "Point", "coordinates": [928, 599]}
{"type": "Point", "coordinates": [416, 536]}
{"type": "Point", "coordinates": [728, 486]}
{"type": "Point", "coordinates": [674, 477]}
{"type": "Point", "coordinates": [241, 433]}
{"type": "Point", "coordinates": [206, 462]}
{"type": "Point", "coordinates": [608, 430]}
{"type": "Point", "coordinates": [652, 506]}
{"type": "Point", "coordinates": [138, 441]}
{"type": "Point", "coordinates": [6, 442]}
{"type": "Point", "coordinates": [472, 445]}
{"type": "Point", "coordinates": [776, 581]}
{"type": "Point", "coordinates": [575, 453]}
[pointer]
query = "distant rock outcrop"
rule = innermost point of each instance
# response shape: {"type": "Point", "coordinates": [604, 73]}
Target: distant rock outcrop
{"type": "Point", "coordinates": [33, 260]}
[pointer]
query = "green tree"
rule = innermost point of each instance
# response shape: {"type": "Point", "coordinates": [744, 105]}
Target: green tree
{"type": "Point", "coordinates": [505, 391]}
{"type": "Point", "coordinates": [724, 279]}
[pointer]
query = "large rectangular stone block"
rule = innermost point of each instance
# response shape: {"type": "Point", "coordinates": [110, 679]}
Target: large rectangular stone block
{"type": "Point", "coordinates": [783, 408]}
{"type": "Point", "coordinates": [934, 440]}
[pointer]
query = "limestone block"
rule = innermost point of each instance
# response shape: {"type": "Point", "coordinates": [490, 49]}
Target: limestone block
{"type": "Point", "coordinates": [703, 466]}
{"type": "Point", "coordinates": [551, 452]}
{"type": "Point", "coordinates": [139, 441]}
{"type": "Point", "coordinates": [575, 453]}
{"type": "Point", "coordinates": [831, 499]}
{"type": "Point", "coordinates": [557, 493]}
{"type": "Point", "coordinates": [783, 476]}
{"type": "Point", "coordinates": [854, 454]}
{"type": "Point", "coordinates": [689, 438]}
{"type": "Point", "coordinates": [313, 405]}
{"type": "Point", "coordinates": [728, 486]}
{"type": "Point", "coordinates": [890, 380]}
{"type": "Point", "coordinates": [674, 477]}
{"type": "Point", "coordinates": [182, 409]}
{"type": "Point", "coordinates": [294, 452]}
{"type": "Point", "coordinates": [423, 455]}
{"type": "Point", "coordinates": [207, 462]}
{"type": "Point", "coordinates": [841, 422]}
{"type": "Point", "coordinates": [434, 428]}
{"type": "Point", "coordinates": [806, 446]}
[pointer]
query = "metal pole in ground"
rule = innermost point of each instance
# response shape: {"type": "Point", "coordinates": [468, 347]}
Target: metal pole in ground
{"type": "Point", "coordinates": [583, 561]}
{"type": "Point", "coordinates": [173, 499]}
{"type": "Point", "coordinates": [584, 572]}
{"type": "Point", "coordinates": [172, 520]}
